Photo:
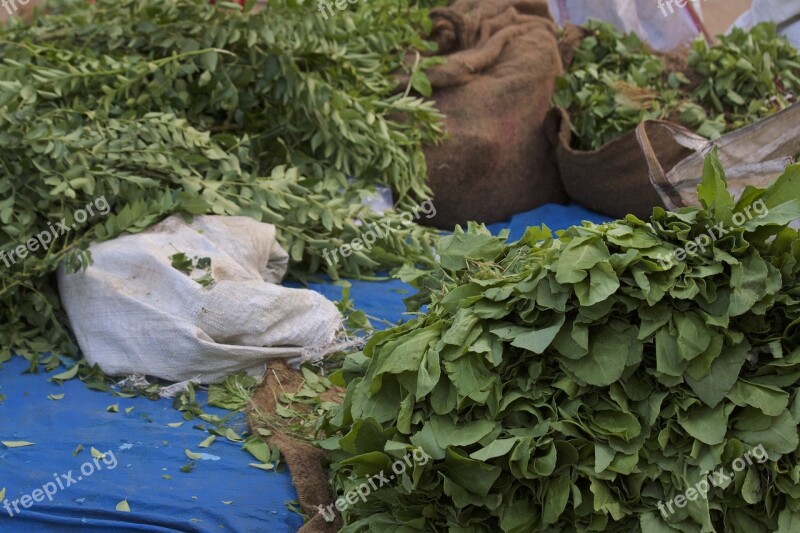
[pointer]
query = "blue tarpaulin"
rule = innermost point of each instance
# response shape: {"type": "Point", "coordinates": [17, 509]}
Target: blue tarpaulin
{"type": "Point", "coordinates": [53, 488]}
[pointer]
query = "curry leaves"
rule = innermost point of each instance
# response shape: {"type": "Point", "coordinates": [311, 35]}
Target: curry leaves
{"type": "Point", "coordinates": [184, 106]}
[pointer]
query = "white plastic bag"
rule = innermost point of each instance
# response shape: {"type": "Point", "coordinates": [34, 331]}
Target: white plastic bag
{"type": "Point", "coordinates": [132, 312]}
{"type": "Point", "coordinates": [664, 26]}
{"type": "Point", "coordinates": [785, 13]}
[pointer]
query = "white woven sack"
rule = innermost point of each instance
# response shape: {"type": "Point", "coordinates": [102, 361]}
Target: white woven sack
{"type": "Point", "coordinates": [754, 155]}
{"type": "Point", "coordinates": [134, 313]}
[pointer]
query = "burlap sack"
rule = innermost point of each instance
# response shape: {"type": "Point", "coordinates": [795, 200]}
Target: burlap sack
{"type": "Point", "coordinates": [306, 462]}
{"type": "Point", "coordinates": [613, 179]}
{"type": "Point", "coordinates": [495, 90]}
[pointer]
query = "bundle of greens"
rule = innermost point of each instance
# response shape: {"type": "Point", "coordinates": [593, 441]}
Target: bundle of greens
{"type": "Point", "coordinates": [615, 82]}
{"type": "Point", "coordinates": [749, 75]}
{"type": "Point", "coordinates": [585, 382]}
{"type": "Point", "coordinates": [183, 106]}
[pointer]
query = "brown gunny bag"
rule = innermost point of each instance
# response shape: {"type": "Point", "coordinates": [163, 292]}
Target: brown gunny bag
{"type": "Point", "coordinates": [502, 59]}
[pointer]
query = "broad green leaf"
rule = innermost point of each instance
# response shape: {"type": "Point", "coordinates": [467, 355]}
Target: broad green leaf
{"type": "Point", "coordinates": [778, 438]}
{"type": "Point", "coordinates": [69, 374]}
{"type": "Point", "coordinates": [706, 424]}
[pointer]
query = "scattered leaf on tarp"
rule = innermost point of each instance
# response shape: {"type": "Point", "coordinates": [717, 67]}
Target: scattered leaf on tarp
{"type": "Point", "coordinates": [208, 441]}
{"type": "Point", "coordinates": [192, 455]}
{"type": "Point", "coordinates": [188, 467]}
{"type": "Point", "coordinates": [16, 443]}
{"type": "Point", "coordinates": [69, 374]}
{"type": "Point", "coordinates": [175, 424]}
{"type": "Point", "coordinates": [97, 454]}
{"type": "Point", "coordinates": [166, 476]}
{"type": "Point", "coordinates": [231, 435]}
{"type": "Point", "coordinates": [129, 409]}
{"type": "Point", "coordinates": [78, 449]}
{"type": "Point", "coordinates": [234, 393]}
{"type": "Point", "coordinates": [263, 466]}
{"type": "Point", "coordinates": [55, 397]}
{"type": "Point", "coordinates": [258, 448]}
{"type": "Point", "coordinates": [113, 408]}
{"type": "Point", "coordinates": [227, 502]}
{"type": "Point", "coordinates": [123, 506]}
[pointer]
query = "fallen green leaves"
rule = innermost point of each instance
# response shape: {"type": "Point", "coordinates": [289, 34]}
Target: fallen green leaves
{"type": "Point", "coordinates": [96, 454]}
{"type": "Point", "coordinates": [234, 393]}
{"type": "Point", "coordinates": [207, 442]}
{"type": "Point", "coordinates": [571, 384]}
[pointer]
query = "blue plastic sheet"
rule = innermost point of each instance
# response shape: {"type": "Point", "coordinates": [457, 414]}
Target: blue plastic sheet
{"type": "Point", "coordinates": [222, 493]}
{"type": "Point", "coordinates": [141, 449]}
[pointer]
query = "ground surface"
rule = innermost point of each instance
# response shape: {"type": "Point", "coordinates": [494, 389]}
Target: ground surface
{"type": "Point", "coordinates": [720, 14]}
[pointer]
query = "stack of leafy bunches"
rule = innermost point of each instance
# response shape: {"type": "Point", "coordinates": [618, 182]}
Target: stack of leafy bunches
{"type": "Point", "coordinates": [615, 82]}
{"type": "Point", "coordinates": [182, 106]}
{"type": "Point", "coordinates": [572, 384]}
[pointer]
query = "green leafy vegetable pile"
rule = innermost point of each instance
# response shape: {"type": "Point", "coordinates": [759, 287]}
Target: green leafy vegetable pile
{"type": "Point", "coordinates": [571, 384]}
{"type": "Point", "coordinates": [749, 75]}
{"type": "Point", "coordinates": [615, 82]}
{"type": "Point", "coordinates": [183, 106]}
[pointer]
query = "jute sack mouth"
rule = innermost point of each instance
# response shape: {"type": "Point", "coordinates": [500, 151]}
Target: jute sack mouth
{"type": "Point", "coordinates": [660, 164]}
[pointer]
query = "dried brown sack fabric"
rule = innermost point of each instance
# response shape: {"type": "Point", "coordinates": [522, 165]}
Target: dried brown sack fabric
{"type": "Point", "coordinates": [305, 461]}
{"type": "Point", "coordinates": [614, 179]}
{"type": "Point", "coordinates": [495, 88]}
